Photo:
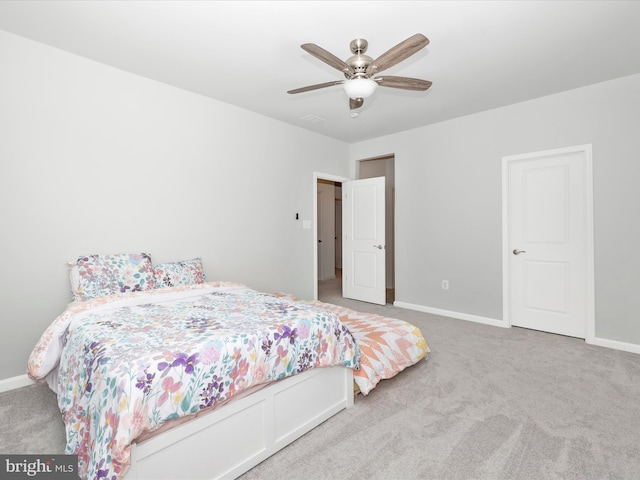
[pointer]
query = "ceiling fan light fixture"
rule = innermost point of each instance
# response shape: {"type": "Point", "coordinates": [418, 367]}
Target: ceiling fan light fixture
{"type": "Point", "coordinates": [360, 87]}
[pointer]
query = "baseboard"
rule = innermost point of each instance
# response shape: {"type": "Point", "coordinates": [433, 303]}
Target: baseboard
{"type": "Point", "coordinates": [15, 382]}
{"type": "Point", "coordinates": [626, 347]}
{"type": "Point", "coordinates": [600, 342]}
{"type": "Point", "coordinates": [448, 313]}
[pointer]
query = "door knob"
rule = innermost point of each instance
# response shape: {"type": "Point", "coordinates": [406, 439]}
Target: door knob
{"type": "Point", "coordinates": [379, 247]}
{"type": "Point", "coordinates": [518, 252]}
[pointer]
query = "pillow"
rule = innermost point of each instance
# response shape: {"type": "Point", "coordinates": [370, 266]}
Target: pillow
{"type": "Point", "coordinates": [99, 275]}
{"type": "Point", "coordinates": [186, 272]}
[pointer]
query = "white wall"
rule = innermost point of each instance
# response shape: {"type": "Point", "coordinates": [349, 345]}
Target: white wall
{"type": "Point", "coordinates": [448, 200]}
{"type": "Point", "coordinates": [96, 160]}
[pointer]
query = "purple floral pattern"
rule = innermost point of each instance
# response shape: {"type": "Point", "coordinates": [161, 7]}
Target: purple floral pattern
{"type": "Point", "coordinates": [186, 272]}
{"type": "Point", "coordinates": [129, 367]}
{"type": "Point", "coordinates": [101, 275]}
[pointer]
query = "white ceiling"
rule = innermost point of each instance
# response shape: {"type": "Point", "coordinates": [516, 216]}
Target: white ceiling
{"type": "Point", "coordinates": [482, 55]}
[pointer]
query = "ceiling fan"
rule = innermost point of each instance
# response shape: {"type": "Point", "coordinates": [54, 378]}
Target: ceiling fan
{"type": "Point", "coordinates": [359, 70]}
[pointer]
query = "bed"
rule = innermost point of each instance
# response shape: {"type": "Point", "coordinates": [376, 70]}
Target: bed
{"type": "Point", "coordinates": [161, 374]}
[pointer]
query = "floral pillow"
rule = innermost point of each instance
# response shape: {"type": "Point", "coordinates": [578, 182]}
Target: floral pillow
{"type": "Point", "coordinates": [99, 275]}
{"type": "Point", "coordinates": [186, 272]}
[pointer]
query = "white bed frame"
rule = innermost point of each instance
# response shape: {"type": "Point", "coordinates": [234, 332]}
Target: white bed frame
{"type": "Point", "coordinates": [235, 438]}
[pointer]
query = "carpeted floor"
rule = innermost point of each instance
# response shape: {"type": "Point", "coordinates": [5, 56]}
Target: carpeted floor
{"type": "Point", "coordinates": [488, 403]}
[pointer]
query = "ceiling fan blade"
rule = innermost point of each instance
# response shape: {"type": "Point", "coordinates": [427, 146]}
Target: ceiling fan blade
{"type": "Point", "coordinates": [355, 103]}
{"type": "Point", "coordinates": [328, 58]}
{"type": "Point", "coordinates": [316, 87]}
{"type": "Point", "coordinates": [398, 53]}
{"type": "Point", "coordinates": [405, 83]}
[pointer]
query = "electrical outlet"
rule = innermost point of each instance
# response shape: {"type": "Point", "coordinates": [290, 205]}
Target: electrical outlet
{"type": "Point", "coordinates": [445, 284]}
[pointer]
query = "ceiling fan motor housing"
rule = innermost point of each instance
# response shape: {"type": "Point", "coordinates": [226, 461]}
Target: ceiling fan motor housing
{"type": "Point", "coordinates": [359, 61]}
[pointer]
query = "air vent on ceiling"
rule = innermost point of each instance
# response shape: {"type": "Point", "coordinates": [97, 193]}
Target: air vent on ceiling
{"type": "Point", "coordinates": [313, 119]}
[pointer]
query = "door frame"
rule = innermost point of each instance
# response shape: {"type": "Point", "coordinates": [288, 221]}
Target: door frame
{"type": "Point", "coordinates": [331, 178]}
{"type": "Point", "coordinates": [586, 150]}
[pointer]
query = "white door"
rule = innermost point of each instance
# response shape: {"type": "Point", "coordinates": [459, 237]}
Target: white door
{"type": "Point", "coordinates": [549, 257]}
{"type": "Point", "coordinates": [363, 231]}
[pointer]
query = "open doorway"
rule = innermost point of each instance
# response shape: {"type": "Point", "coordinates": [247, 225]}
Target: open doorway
{"type": "Point", "coordinates": [328, 211]}
{"type": "Point", "coordinates": [324, 212]}
{"type": "Point", "coordinates": [329, 239]}
{"type": "Point", "coordinates": [329, 228]}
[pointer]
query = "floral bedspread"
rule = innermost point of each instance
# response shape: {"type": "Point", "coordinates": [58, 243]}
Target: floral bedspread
{"type": "Point", "coordinates": [127, 364]}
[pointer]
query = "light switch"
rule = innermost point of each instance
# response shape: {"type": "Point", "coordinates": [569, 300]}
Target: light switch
{"type": "Point", "coordinates": [306, 224]}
